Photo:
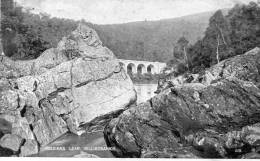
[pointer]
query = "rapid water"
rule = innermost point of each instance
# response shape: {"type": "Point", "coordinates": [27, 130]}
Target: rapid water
{"type": "Point", "coordinates": [71, 145]}
{"type": "Point", "coordinates": [145, 91]}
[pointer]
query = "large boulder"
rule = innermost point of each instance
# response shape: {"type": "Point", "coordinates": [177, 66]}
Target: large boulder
{"type": "Point", "coordinates": [29, 148]}
{"type": "Point", "coordinates": [62, 90]}
{"type": "Point", "coordinates": [187, 116]}
{"type": "Point", "coordinates": [12, 142]}
{"type": "Point", "coordinates": [219, 119]}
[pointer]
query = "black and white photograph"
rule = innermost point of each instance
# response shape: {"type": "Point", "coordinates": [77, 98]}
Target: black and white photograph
{"type": "Point", "coordinates": [130, 79]}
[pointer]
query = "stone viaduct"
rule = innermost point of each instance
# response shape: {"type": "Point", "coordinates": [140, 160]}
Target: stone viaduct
{"type": "Point", "coordinates": [142, 67]}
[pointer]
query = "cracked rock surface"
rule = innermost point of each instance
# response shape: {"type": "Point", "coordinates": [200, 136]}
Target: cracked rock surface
{"type": "Point", "coordinates": [209, 119]}
{"type": "Point", "coordinates": [62, 90]}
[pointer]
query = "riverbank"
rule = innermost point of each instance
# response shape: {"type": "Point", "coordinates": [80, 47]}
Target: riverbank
{"type": "Point", "coordinates": [72, 145]}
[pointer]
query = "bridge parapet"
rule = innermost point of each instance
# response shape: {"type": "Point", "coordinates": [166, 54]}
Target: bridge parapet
{"type": "Point", "coordinates": [142, 67]}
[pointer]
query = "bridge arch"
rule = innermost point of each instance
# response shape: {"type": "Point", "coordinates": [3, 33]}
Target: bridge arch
{"type": "Point", "coordinates": [135, 66]}
{"type": "Point", "coordinates": [141, 69]}
{"type": "Point", "coordinates": [131, 68]}
{"type": "Point", "coordinates": [151, 69]}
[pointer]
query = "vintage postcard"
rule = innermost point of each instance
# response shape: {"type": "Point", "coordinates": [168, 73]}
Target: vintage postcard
{"type": "Point", "coordinates": [130, 79]}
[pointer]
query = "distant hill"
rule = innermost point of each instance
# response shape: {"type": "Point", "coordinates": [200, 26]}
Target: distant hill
{"type": "Point", "coordinates": [152, 40]}
{"type": "Point", "coordinates": [143, 40]}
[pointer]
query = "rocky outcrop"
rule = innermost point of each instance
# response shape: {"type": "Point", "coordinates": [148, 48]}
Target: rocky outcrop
{"type": "Point", "coordinates": [219, 119]}
{"type": "Point", "coordinates": [29, 148]}
{"type": "Point", "coordinates": [62, 90]}
{"type": "Point", "coordinates": [11, 141]}
{"type": "Point", "coordinates": [244, 67]}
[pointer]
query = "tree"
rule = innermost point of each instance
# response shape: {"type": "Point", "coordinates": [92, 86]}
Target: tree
{"type": "Point", "coordinates": [245, 27]}
{"type": "Point", "coordinates": [10, 23]}
{"type": "Point", "coordinates": [227, 36]}
{"type": "Point", "coordinates": [216, 37]}
{"type": "Point", "coordinates": [180, 51]}
{"type": "Point", "coordinates": [27, 35]}
{"type": "Point", "coordinates": [214, 46]}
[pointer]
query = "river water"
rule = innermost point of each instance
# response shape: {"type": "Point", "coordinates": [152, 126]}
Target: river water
{"type": "Point", "coordinates": [71, 145]}
{"type": "Point", "coordinates": [145, 91]}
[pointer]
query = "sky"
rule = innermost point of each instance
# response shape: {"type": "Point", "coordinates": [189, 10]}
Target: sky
{"type": "Point", "coordinates": [123, 11]}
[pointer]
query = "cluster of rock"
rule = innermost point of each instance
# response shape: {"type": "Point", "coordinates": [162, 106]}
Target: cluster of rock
{"type": "Point", "coordinates": [214, 115]}
{"type": "Point", "coordinates": [62, 90]}
{"type": "Point", "coordinates": [243, 67]}
{"type": "Point", "coordinates": [80, 86]}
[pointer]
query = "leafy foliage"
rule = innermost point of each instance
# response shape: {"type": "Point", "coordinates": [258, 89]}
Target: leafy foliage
{"type": "Point", "coordinates": [178, 51]}
{"type": "Point", "coordinates": [26, 35]}
{"type": "Point", "coordinates": [227, 36]}
{"type": "Point", "coordinates": [180, 59]}
{"type": "Point", "coordinates": [157, 37]}
{"type": "Point", "coordinates": [244, 27]}
{"type": "Point", "coordinates": [215, 41]}
{"type": "Point", "coordinates": [31, 34]}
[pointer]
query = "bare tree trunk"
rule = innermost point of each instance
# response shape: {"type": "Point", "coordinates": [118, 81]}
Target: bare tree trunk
{"type": "Point", "coordinates": [223, 37]}
{"type": "Point", "coordinates": [184, 49]}
{"type": "Point", "coordinates": [224, 41]}
{"type": "Point", "coordinates": [217, 49]}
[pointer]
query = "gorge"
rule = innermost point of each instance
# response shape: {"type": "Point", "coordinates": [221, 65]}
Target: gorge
{"type": "Point", "coordinates": [78, 95]}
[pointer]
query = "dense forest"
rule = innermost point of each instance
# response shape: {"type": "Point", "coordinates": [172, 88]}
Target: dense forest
{"type": "Point", "coordinates": [226, 36]}
{"type": "Point", "coordinates": [152, 40]}
{"type": "Point", "coordinates": [189, 43]}
{"type": "Point", "coordinates": [26, 35]}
